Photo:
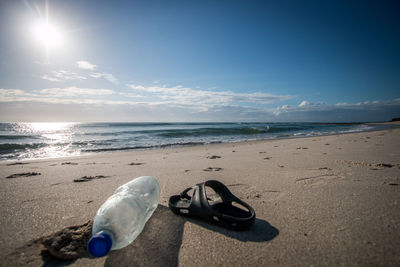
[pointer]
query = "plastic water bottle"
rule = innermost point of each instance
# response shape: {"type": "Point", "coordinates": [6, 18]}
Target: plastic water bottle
{"type": "Point", "coordinates": [122, 217]}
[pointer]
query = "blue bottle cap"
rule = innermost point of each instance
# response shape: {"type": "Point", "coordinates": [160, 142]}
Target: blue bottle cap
{"type": "Point", "coordinates": [99, 244]}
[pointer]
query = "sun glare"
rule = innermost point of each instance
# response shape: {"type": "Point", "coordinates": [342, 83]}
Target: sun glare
{"type": "Point", "coordinates": [47, 34]}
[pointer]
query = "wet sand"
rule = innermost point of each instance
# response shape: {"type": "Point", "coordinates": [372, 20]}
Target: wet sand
{"type": "Point", "coordinates": [322, 201]}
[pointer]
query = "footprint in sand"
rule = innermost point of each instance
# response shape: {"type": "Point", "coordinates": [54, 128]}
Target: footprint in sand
{"type": "Point", "coordinates": [316, 180]}
{"type": "Point", "coordinates": [253, 192]}
{"type": "Point", "coordinates": [25, 174]}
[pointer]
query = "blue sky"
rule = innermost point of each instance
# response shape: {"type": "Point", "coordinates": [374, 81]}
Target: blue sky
{"type": "Point", "coordinates": [200, 61]}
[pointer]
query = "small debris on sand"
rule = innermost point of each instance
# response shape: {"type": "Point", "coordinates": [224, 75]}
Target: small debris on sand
{"type": "Point", "coordinates": [69, 243]}
{"type": "Point", "coordinates": [214, 157]}
{"type": "Point", "coordinates": [367, 164]}
{"type": "Point", "coordinates": [210, 169]}
{"type": "Point", "coordinates": [25, 174]}
{"type": "Point", "coordinates": [89, 178]}
{"type": "Point", "coordinates": [301, 147]}
{"type": "Point", "coordinates": [267, 158]}
{"type": "Point", "coordinates": [17, 163]}
{"type": "Point", "coordinates": [387, 165]}
{"type": "Point", "coordinates": [69, 163]}
{"type": "Point", "coordinates": [136, 163]}
{"type": "Point", "coordinates": [324, 168]}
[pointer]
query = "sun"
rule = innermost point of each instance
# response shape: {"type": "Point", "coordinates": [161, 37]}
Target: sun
{"type": "Point", "coordinates": [47, 34]}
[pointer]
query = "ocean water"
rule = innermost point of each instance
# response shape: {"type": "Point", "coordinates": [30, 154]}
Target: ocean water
{"type": "Point", "coordinates": [52, 140]}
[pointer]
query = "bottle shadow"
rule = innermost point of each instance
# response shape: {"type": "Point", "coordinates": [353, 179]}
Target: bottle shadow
{"type": "Point", "coordinates": [161, 239]}
{"type": "Point", "coordinates": [157, 245]}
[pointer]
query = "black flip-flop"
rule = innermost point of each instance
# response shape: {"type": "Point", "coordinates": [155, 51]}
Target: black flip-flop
{"type": "Point", "coordinates": [222, 213]}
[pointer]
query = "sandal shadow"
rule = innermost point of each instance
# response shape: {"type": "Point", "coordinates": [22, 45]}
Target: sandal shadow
{"type": "Point", "coordinates": [259, 231]}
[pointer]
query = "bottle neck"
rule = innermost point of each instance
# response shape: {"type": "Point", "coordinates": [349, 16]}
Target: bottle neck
{"type": "Point", "coordinates": [100, 244]}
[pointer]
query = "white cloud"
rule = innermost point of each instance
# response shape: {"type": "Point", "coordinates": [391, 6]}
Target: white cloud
{"type": "Point", "coordinates": [62, 75]}
{"type": "Point", "coordinates": [86, 65]}
{"type": "Point", "coordinates": [65, 95]}
{"type": "Point", "coordinates": [137, 87]}
{"type": "Point", "coordinates": [11, 92]}
{"type": "Point", "coordinates": [108, 76]}
{"type": "Point", "coordinates": [189, 96]}
{"type": "Point", "coordinates": [340, 112]}
{"type": "Point", "coordinates": [132, 95]}
{"type": "Point", "coordinates": [179, 103]}
{"type": "Point", "coordinates": [304, 103]}
{"type": "Point", "coordinates": [74, 91]}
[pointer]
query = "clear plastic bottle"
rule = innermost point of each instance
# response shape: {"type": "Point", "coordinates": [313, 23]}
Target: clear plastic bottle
{"type": "Point", "coordinates": [122, 217]}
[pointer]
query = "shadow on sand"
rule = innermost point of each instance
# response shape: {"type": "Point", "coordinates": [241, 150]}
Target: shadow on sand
{"type": "Point", "coordinates": [161, 239]}
{"type": "Point", "coordinates": [157, 245]}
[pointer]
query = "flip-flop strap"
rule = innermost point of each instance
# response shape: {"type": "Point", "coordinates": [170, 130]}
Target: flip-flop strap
{"type": "Point", "coordinates": [184, 193]}
{"type": "Point", "coordinates": [227, 197]}
{"type": "Point", "coordinates": [223, 191]}
{"type": "Point", "coordinates": [220, 189]}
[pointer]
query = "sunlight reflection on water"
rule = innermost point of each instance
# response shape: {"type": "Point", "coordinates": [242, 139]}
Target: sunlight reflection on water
{"type": "Point", "coordinates": [57, 136]}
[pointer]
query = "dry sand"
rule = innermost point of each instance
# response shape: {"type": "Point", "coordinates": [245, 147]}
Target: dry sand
{"type": "Point", "coordinates": [322, 201]}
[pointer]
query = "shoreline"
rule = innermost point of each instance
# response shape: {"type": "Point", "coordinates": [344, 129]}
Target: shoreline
{"type": "Point", "coordinates": [392, 125]}
{"type": "Point", "coordinates": [320, 200]}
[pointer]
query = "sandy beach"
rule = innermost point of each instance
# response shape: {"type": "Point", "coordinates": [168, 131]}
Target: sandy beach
{"type": "Point", "coordinates": [320, 201]}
